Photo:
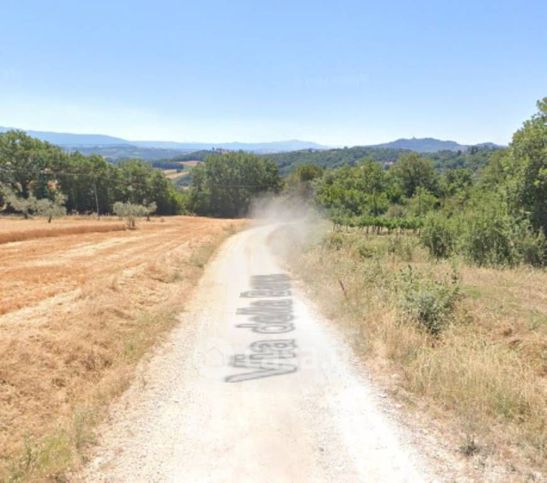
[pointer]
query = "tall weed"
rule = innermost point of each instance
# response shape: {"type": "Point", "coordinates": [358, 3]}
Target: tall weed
{"type": "Point", "coordinates": [426, 302]}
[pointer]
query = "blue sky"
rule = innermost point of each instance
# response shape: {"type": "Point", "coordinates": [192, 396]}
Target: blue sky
{"type": "Point", "coordinates": [335, 72]}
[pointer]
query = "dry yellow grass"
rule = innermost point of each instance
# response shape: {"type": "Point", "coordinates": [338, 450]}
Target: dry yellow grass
{"type": "Point", "coordinates": [190, 164]}
{"type": "Point", "coordinates": [174, 174]}
{"type": "Point", "coordinates": [482, 380]}
{"type": "Point", "coordinates": [78, 312]}
{"type": "Point", "coordinates": [14, 230]}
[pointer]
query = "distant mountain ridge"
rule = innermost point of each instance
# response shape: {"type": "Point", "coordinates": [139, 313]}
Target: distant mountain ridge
{"type": "Point", "coordinates": [68, 139]}
{"type": "Point", "coordinates": [429, 145]}
{"type": "Point", "coordinates": [71, 140]}
{"type": "Point", "coordinates": [114, 148]}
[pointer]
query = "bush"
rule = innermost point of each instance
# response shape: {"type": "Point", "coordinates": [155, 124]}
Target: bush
{"type": "Point", "coordinates": [51, 208]}
{"type": "Point", "coordinates": [402, 247]}
{"type": "Point", "coordinates": [531, 246]}
{"type": "Point", "coordinates": [130, 212]}
{"type": "Point", "coordinates": [488, 237]}
{"type": "Point", "coordinates": [365, 249]}
{"type": "Point", "coordinates": [438, 235]}
{"type": "Point", "coordinates": [428, 303]}
{"type": "Point", "coordinates": [334, 241]}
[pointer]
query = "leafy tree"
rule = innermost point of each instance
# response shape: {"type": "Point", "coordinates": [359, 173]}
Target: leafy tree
{"type": "Point", "coordinates": [301, 182]}
{"type": "Point", "coordinates": [439, 235]}
{"type": "Point", "coordinates": [374, 186]}
{"type": "Point", "coordinates": [22, 159]}
{"type": "Point", "coordinates": [25, 206]}
{"type": "Point", "coordinates": [525, 169]}
{"type": "Point", "coordinates": [455, 181]}
{"type": "Point", "coordinates": [422, 202]}
{"type": "Point", "coordinates": [51, 208]}
{"type": "Point", "coordinates": [340, 192]}
{"type": "Point", "coordinates": [357, 190]}
{"type": "Point", "coordinates": [130, 211]}
{"type": "Point", "coordinates": [33, 170]}
{"type": "Point", "coordinates": [412, 171]}
{"type": "Point", "coordinates": [225, 184]}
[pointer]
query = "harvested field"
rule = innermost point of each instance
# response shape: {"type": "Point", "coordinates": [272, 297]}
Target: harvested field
{"type": "Point", "coordinates": [14, 230]}
{"type": "Point", "coordinates": [174, 173]}
{"type": "Point", "coordinates": [77, 312]}
{"type": "Point", "coordinates": [190, 164]}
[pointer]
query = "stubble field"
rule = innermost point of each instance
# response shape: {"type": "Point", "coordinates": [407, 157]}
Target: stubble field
{"type": "Point", "coordinates": [81, 301]}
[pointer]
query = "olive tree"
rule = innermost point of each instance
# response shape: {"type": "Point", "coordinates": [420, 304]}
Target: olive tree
{"type": "Point", "coordinates": [51, 208]}
{"type": "Point", "coordinates": [130, 212]}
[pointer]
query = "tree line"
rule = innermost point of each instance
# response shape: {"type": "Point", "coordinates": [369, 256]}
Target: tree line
{"type": "Point", "coordinates": [32, 170]}
{"type": "Point", "coordinates": [491, 213]}
{"type": "Point", "coordinates": [487, 205]}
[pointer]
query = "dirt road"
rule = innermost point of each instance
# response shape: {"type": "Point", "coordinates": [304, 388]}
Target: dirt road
{"type": "Point", "coordinates": [253, 386]}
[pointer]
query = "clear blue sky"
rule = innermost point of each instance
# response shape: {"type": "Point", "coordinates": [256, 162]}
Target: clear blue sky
{"type": "Point", "coordinates": [336, 72]}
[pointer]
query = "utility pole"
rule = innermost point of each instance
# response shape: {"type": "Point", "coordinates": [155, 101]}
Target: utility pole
{"type": "Point", "coordinates": [96, 198]}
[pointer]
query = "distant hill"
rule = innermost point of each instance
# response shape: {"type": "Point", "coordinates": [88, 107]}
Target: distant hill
{"type": "Point", "coordinates": [67, 139]}
{"type": "Point", "coordinates": [115, 148]}
{"type": "Point", "coordinates": [285, 152]}
{"type": "Point", "coordinates": [423, 145]}
{"type": "Point", "coordinates": [270, 147]}
{"type": "Point", "coordinates": [117, 152]}
{"type": "Point", "coordinates": [332, 158]}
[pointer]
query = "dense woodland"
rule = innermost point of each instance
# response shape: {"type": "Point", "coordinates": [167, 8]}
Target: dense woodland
{"type": "Point", "coordinates": [486, 203]}
{"type": "Point", "coordinates": [474, 157]}
{"type": "Point", "coordinates": [31, 169]}
{"type": "Point", "coordinates": [225, 184]}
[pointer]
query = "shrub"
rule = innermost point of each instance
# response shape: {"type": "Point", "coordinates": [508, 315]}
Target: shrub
{"type": "Point", "coordinates": [334, 241]}
{"type": "Point", "coordinates": [488, 237]}
{"type": "Point", "coordinates": [365, 250]}
{"type": "Point", "coordinates": [402, 247]}
{"type": "Point", "coordinates": [531, 246]}
{"type": "Point", "coordinates": [51, 208]}
{"type": "Point", "coordinates": [428, 303]}
{"type": "Point", "coordinates": [438, 235]}
{"type": "Point", "coordinates": [19, 204]}
{"type": "Point", "coordinates": [130, 212]}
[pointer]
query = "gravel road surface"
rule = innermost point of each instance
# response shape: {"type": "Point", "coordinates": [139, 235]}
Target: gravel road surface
{"type": "Point", "coordinates": [253, 386]}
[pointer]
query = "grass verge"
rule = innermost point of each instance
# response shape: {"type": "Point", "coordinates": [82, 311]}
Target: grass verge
{"type": "Point", "coordinates": [468, 345]}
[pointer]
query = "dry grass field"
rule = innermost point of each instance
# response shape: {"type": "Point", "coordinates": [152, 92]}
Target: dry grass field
{"type": "Point", "coordinates": [81, 301]}
{"type": "Point", "coordinates": [174, 174]}
{"type": "Point", "coordinates": [481, 383]}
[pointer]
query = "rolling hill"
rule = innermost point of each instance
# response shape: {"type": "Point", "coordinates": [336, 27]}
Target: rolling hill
{"type": "Point", "coordinates": [114, 147]}
{"type": "Point", "coordinates": [427, 145]}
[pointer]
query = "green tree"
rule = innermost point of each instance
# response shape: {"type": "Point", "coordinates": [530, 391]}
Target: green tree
{"type": "Point", "coordinates": [525, 168]}
{"type": "Point", "coordinates": [301, 181]}
{"type": "Point", "coordinates": [411, 172]}
{"type": "Point", "coordinates": [130, 211]}
{"type": "Point", "coordinates": [374, 186]}
{"type": "Point", "coordinates": [51, 208]}
{"type": "Point", "coordinates": [354, 191]}
{"type": "Point", "coordinates": [25, 206]}
{"type": "Point", "coordinates": [422, 202]}
{"type": "Point", "coordinates": [225, 184]}
{"type": "Point", "coordinates": [23, 160]}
